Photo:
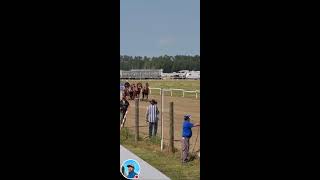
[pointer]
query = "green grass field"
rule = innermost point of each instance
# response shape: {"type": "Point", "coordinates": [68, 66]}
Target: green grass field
{"type": "Point", "coordinates": [188, 85]}
{"type": "Point", "coordinates": [167, 163]}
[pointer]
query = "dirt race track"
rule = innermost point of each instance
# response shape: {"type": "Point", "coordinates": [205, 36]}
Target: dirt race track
{"type": "Point", "coordinates": [181, 106]}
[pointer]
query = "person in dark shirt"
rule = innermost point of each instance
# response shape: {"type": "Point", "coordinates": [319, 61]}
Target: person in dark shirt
{"type": "Point", "coordinates": [131, 173]}
{"type": "Point", "coordinates": [186, 135]}
{"type": "Point", "coordinates": [124, 104]}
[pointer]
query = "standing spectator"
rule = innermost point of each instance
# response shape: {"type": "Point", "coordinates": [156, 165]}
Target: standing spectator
{"type": "Point", "coordinates": [186, 135]}
{"type": "Point", "coordinates": [152, 117]}
{"type": "Point", "coordinates": [124, 104]}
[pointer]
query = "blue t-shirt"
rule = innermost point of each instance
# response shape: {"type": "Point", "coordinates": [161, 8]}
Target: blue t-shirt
{"type": "Point", "coordinates": [131, 174]}
{"type": "Point", "coordinates": [187, 132]}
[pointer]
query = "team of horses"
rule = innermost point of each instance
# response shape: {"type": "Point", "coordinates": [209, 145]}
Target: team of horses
{"type": "Point", "coordinates": [135, 90]}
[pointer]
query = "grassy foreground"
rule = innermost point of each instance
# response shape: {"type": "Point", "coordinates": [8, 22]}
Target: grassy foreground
{"type": "Point", "coordinates": [169, 164]}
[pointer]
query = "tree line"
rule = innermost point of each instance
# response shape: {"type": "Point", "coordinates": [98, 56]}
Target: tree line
{"type": "Point", "coordinates": [169, 64]}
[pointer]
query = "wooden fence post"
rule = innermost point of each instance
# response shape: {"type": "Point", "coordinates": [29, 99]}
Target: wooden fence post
{"type": "Point", "coordinates": [171, 129]}
{"type": "Point", "coordinates": [136, 120]}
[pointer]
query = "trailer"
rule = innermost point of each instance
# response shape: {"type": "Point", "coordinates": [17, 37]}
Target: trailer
{"type": "Point", "coordinates": [193, 75]}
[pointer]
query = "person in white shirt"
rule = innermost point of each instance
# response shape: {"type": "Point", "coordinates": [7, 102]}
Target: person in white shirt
{"type": "Point", "coordinates": [152, 117]}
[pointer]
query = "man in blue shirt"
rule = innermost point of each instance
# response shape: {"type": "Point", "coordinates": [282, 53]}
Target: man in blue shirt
{"type": "Point", "coordinates": [131, 173]}
{"type": "Point", "coordinates": [186, 135]}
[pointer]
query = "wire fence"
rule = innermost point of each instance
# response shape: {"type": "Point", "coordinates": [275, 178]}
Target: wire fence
{"type": "Point", "coordinates": [182, 106]}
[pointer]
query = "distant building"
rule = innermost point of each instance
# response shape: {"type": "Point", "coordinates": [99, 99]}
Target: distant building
{"type": "Point", "coordinates": [141, 74]}
{"type": "Point", "coordinates": [183, 71]}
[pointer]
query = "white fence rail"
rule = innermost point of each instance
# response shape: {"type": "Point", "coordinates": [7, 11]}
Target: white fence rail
{"type": "Point", "coordinates": [155, 89]}
{"type": "Point", "coordinates": [196, 92]}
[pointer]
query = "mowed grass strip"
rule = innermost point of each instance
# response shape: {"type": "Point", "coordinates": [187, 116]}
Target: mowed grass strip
{"type": "Point", "coordinates": [168, 163]}
{"type": "Point", "coordinates": [188, 85]}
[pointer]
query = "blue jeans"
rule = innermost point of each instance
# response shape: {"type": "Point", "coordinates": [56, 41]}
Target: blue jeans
{"type": "Point", "coordinates": [185, 149]}
{"type": "Point", "coordinates": [153, 129]}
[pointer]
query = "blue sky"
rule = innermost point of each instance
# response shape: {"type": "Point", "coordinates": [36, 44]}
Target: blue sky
{"type": "Point", "coordinates": [159, 27]}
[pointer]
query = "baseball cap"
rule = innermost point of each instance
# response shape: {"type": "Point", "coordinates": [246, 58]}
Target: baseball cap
{"type": "Point", "coordinates": [130, 165]}
{"type": "Point", "coordinates": [187, 116]}
{"type": "Point", "coordinates": [153, 101]}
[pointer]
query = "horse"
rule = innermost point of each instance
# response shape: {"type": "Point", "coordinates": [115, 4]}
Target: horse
{"type": "Point", "coordinates": [126, 84]}
{"type": "Point", "coordinates": [125, 92]}
{"type": "Point", "coordinates": [145, 91]}
{"type": "Point", "coordinates": [138, 90]}
{"type": "Point", "coordinates": [131, 92]}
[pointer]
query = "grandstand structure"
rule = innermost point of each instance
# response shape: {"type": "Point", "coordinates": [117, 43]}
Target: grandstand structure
{"type": "Point", "coordinates": [141, 74]}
